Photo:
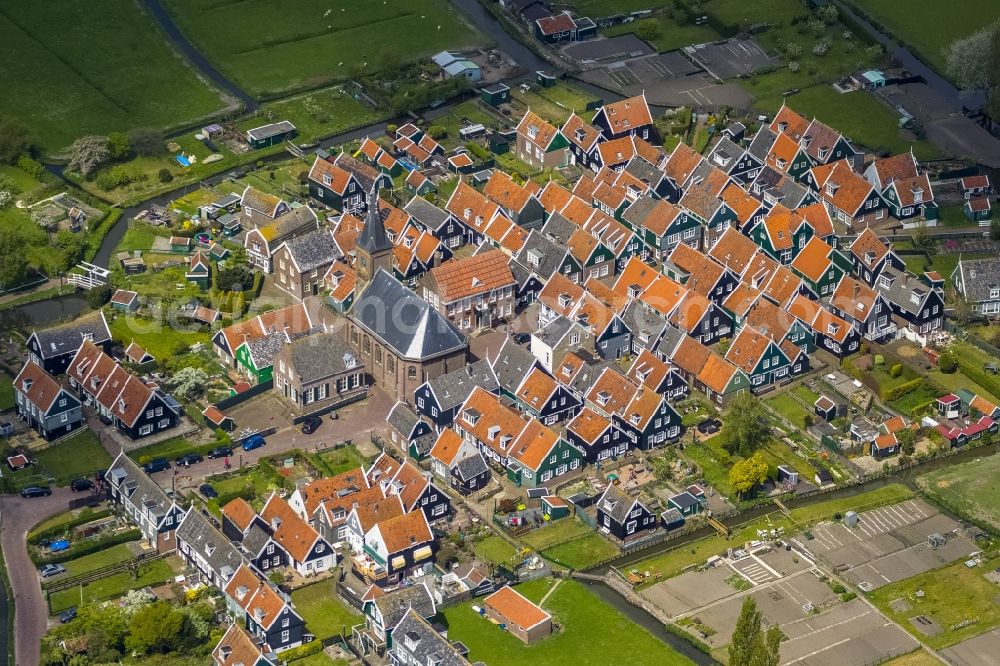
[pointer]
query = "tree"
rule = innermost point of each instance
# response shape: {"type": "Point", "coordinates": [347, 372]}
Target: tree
{"type": "Point", "coordinates": [158, 627]}
{"type": "Point", "coordinates": [747, 474]}
{"type": "Point", "coordinates": [13, 264]}
{"type": "Point", "coordinates": [13, 140]}
{"type": "Point", "coordinates": [947, 363]}
{"type": "Point", "coordinates": [648, 29]}
{"type": "Point", "coordinates": [970, 61]}
{"type": "Point", "coordinates": [745, 426]}
{"type": "Point", "coordinates": [962, 311]}
{"type": "Point", "coordinates": [750, 645]}
{"type": "Point", "coordinates": [119, 146]}
{"type": "Point", "coordinates": [828, 14]}
{"type": "Point", "coordinates": [146, 142]}
{"type": "Point", "coordinates": [98, 297]}
{"type": "Point", "coordinates": [907, 440]}
{"type": "Point", "coordinates": [88, 154]}
{"type": "Point", "coordinates": [921, 237]}
{"type": "Point", "coordinates": [189, 383]}
{"type": "Point", "coordinates": [164, 175]}
{"type": "Point", "coordinates": [71, 246]}
{"type": "Point", "coordinates": [109, 621]}
{"type": "Point", "coordinates": [235, 277]}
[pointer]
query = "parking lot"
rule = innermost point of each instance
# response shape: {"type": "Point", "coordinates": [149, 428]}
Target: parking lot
{"type": "Point", "coordinates": [889, 544]}
{"type": "Point", "coordinates": [982, 649]}
{"type": "Point", "coordinates": [732, 58]}
{"type": "Point", "coordinates": [612, 48]}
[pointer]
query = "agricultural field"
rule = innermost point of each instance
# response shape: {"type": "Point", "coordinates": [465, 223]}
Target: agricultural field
{"type": "Point", "coordinates": [957, 599]}
{"type": "Point", "coordinates": [270, 47]}
{"type": "Point", "coordinates": [114, 73]}
{"type": "Point", "coordinates": [581, 616]}
{"type": "Point", "coordinates": [971, 489]}
{"type": "Point", "coordinates": [929, 26]}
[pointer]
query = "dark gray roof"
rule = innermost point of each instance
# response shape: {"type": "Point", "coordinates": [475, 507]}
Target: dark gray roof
{"type": "Point", "coordinates": [672, 337]}
{"type": "Point", "coordinates": [588, 374]}
{"type": "Point", "coordinates": [292, 223]}
{"type": "Point", "coordinates": [639, 319]}
{"type": "Point", "coordinates": [403, 418]}
{"type": "Point", "coordinates": [904, 289]}
{"type": "Point", "coordinates": [373, 237]}
{"type": "Point", "coordinates": [616, 503]}
{"type": "Point", "coordinates": [319, 356]}
{"type": "Point", "coordinates": [639, 210]}
{"type": "Point", "coordinates": [644, 171]}
{"type": "Point", "coordinates": [313, 249]}
{"type": "Point", "coordinates": [521, 273]}
{"type": "Point", "coordinates": [783, 188]}
{"type": "Point", "coordinates": [263, 350]}
{"type": "Point", "coordinates": [211, 545]}
{"type": "Point", "coordinates": [255, 540]}
{"type": "Point", "coordinates": [554, 331]}
{"type": "Point", "coordinates": [559, 228]}
{"type": "Point", "coordinates": [140, 490]}
{"type": "Point", "coordinates": [539, 247]}
{"type": "Point", "coordinates": [978, 277]}
{"type": "Point", "coordinates": [452, 389]}
{"type": "Point", "coordinates": [426, 213]}
{"type": "Point", "coordinates": [394, 605]}
{"type": "Point", "coordinates": [404, 321]}
{"type": "Point", "coordinates": [471, 466]}
{"type": "Point", "coordinates": [761, 144]}
{"type": "Point", "coordinates": [274, 129]}
{"type": "Point", "coordinates": [415, 637]}
{"type": "Point", "coordinates": [725, 151]}
{"type": "Point", "coordinates": [512, 365]}
{"type": "Point", "coordinates": [67, 338]}
{"type": "Point", "coordinates": [684, 500]}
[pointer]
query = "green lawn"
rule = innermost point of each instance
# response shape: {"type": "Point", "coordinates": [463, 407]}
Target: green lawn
{"type": "Point", "coordinates": [269, 47]}
{"type": "Point", "coordinates": [114, 73]}
{"type": "Point", "coordinates": [342, 459]}
{"type": "Point", "coordinates": [76, 457]}
{"type": "Point", "coordinates": [318, 114]}
{"type": "Point", "coordinates": [583, 618]}
{"type": "Point", "coordinates": [325, 614]}
{"type": "Point", "coordinates": [583, 552]}
{"type": "Point", "coordinates": [953, 216]}
{"type": "Point", "coordinates": [806, 394]}
{"type": "Point", "coordinates": [942, 262]}
{"type": "Point", "coordinates": [670, 35]}
{"type": "Point", "coordinates": [953, 594]}
{"type": "Point", "coordinates": [495, 550]}
{"type": "Point", "coordinates": [160, 340]}
{"type": "Point", "coordinates": [150, 573]}
{"type": "Point", "coordinates": [37, 248]}
{"type": "Point", "coordinates": [971, 489]}
{"type": "Point", "coordinates": [713, 462]}
{"type": "Point", "coordinates": [94, 561]}
{"type": "Point", "coordinates": [929, 26]}
{"type": "Point", "coordinates": [6, 392]}
{"type": "Point", "coordinates": [790, 408]}
{"type": "Point", "coordinates": [561, 530]}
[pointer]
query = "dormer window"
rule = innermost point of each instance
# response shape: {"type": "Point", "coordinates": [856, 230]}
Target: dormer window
{"type": "Point", "coordinates": [504, 441]}
{"type": "Point", "coordinates": [634, 418]}
{"type": "Point", "coordinates": [327, 179]}
{"type": "Point", "coordinates": [994, 292]}
{"type": "Point", "coordinates": [532, 132]}
{"type": "Point", "coordinates": [493, 432]}
{"type": "Point", "coordinates": [918, 194]}
{"type": "Point", "coordinates": [832, 328]}
{"type": "Point", "coordinates": [27, 384]}
{"type": "Point", "coordinates": [915, 297]}
{"type": "Point", "coordinates": [471, 416]}
{"type": "Point", "coordinates": [823, 152]}
{"type": "Point", "coordinates": [782, 126]}
{"type": "Point", "coordinates": [564, 300]}
{"type": "Point", "coordinates": [781, 163]}
{"type": "Point", "coordinates": [466, 213]}
{"type": "Point", "coordinates": [831, 189]}
{"type": "Point", "coordinates": [634, 290]}
{"type": "Point", "coordinates": [603, 398]}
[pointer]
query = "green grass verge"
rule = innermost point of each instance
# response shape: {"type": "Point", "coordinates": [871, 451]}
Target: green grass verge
{"type": "Point", "coordinates": [150, 573]}
{"type": "Point", "coordinates": [94, 561]}
{"type": "Point", "coordinates": [78, 456]}
{"type": "Point", "coordinates": [582, 552]}
{"type": "Point", "coordinates": [342, 459]}
{"type": "Point", "coordinates": [953, 595]}
{"type": "Point", "coordinates": [325, 614]}
{"type": "Point", "coordinates": [561, 530]}
{"type": "Point", "coordinates": [495, 550]}
{"type": "Point", "coordinates": [582, 616]}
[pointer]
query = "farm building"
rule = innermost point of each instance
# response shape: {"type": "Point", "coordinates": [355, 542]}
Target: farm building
{"type": "Point", "coordinates": [270, 135]}
{"type": "Point", "coordinates": [455, 65]}
{"type": "Point", "coordinates": [517, 615]}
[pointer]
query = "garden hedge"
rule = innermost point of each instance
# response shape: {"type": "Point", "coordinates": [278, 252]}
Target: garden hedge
{"type": "Point", "coordinates": [88, 547]}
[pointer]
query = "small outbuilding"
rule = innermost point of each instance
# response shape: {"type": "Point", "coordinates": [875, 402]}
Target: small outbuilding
{"type": "Point", "coordinates": [514, 613]}
{"type": "Point", "coordinates": [270, 135]}
{"type": "Point", "coordinates": [686, 503]}
{"type": "Point", "coordinates": [825, 408]}
{"type": "Point", "coordinates": [125, 301]}
{"type": "Point", "coordinates": [554, 507]}
{"type": "Point", "coordinates": [495, 94]}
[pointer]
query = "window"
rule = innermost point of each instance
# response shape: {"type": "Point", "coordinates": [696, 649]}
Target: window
{"type": "Point", "coordinates": [285, 634]}
{"type": "Point", "coordinates": [411, 372]}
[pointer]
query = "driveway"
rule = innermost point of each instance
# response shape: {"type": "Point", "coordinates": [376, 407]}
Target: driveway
{"type": "Point", "coordinates": [31, 616]}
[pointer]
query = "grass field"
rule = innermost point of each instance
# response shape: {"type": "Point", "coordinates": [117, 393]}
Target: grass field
{"type": "Point", "coordinates": [78, 456]}
{"type": "Point", "coordinates": [269, 47]}
{"type": "Point", "coordinates": [596, 9]}
{"type": "Point", "coordinates": [162, 341]}
{"type": "Point", "coordinates": [150, 573]}
{"type": "Point", "coordinates": [583, 618]}
{"type": "Point", "coordinates": [6, 392]}
{"type": "Point", "coordinates": [929, 26]}
{"type": "Point", "coordinates": [343, 459]}
{"type": "Point", "coordinates": [953, 594]}
{"type": "Point", "coordinates": [111, 72]}
{"type": "Point", "coordinates": [786, 405]}
{"type": "Point", "coordinates": [669, 35]}
{"type": "Point", "coordinates": [495, 550]}
{"type": "Point", "coordinates": [561, 530]}
{"type": "Point", "coordinates": [325, 614]}
{"type": "Point", "coordinates": [971, 489]}
{"type": "Point", "coordinates": [94, 561]}
{"type": "Point", "coordinates": [318, 114]}
{"type": "Point", "coordinates": [582, 552]}
{"type": "Point", "coordinates": [37, 248]}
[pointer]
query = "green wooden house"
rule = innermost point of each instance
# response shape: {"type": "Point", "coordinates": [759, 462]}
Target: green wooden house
{"type": "Point", "coordinates": [540, 455]}
{"type": "Point", "coordinates": [495, 94]}
{"type": "Point", "coordinates": [180, 244]}
{"type": "Point", "coordinates": [199, 270]}
{"type": "Point", "coordinates": [255, 358]}
{"type": "Point", "coordinates": [270, 135]}
{"type": "Point", "coordinates": [820, 266]}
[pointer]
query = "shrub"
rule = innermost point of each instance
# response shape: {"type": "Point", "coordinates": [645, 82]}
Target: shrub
{"type": "Point", "coordinates": [165, 176]}
{"type": "Point", "coordinates": [309, 649]}
{"type": "Point", "coordinates": [98, 297]}
{"type": "Point", "coordinates": [901, 390]}
{"type": "Point", "coordinates": [947, 363]}
{"type": "Point", "coordinates": [437, 132]}
{"type": "Point", "coordinates": [31, 167]}
{"type": "Point", "coordinates": [879, 359]}
{"type": "Point", "coordinates": [88, 547]}
{"type": "Point", "coordinates": [896, 370]}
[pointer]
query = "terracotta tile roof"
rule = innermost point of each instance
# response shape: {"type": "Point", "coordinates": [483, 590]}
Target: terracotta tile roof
{"type": "Point", "coordinates": [370, 149]}
{"type": "Point", "coordinates": [971, 182]}
{"type": "Point", "coordinates": [897, 167]}
{"type": "Point", "coordinates": [42, 389]}
{"type": "Point", "coordinates": [663, 295]}
{"type": "Point", "coordinates": [471, 207]}
{"type": "Point", "coordinates": [885, 441]}
{"type": "Point", "coordinates": [561, 294]}
{"type": "Point", "coordinates": [429, 144]}
{"type": "Point", "coordinates": [782, 285]}
{"type": "Point", "coordinates": [849, 189]}
{"type": "Point", "coordinates": [588, 425]}
{"type": "Point", "coordinates": [616, 151]}
{"type": "Point", "coordinates": [682, 163]}
{"type": "Point", "coordinates": [704, 273]}
{"type": "Point", "coordinates": [125, 297]}
{"type": "Point", "coordinates": [380, 510]}
{"type": "Point", "coordinates": [733, 250]}
{"type": "Point", "coordinates": [571, 365]}
{"type": "Point", "coordinates": [295, 535]}
{"type": "Point", "coordinates": [690, 312]}
{"type": "Point", "coordinates": [610, 231]}
{"type": "Point", "coordinates": [741, 202]}
{"type": "Point", "coordinates": [494, 417]}
{"type": "Point", "coordinates": [894, 425]}
{"type": "Point", "coordinates": [979, 204]}
{"type": "Point", "coordinates": [243, 586]}
{"type": "Point", "coordinates": [502, 189]}
{"type": "Point", "coordinates": [789, 122]}
{"type": "Point", "coordinates": [658, 218]}
{"type": "Point", "coordinates": [447, 446]}
{"type": "Point", "coordinates": [983, 406]}
{"type": "Point", "coordinates": [515, 238]}
{"type": "Point", "coordinates": [819, 140]}
{"type": "Point", "coordinates": [577, 210]}
{"type": "Point", "coordinates": [648, 370]}
{"type": "Point", "coordinates": [416, 179]}
{"type": "Point", "coordinates": [239, 512]}
{"type": "Point", "coordinates": [405, 531]}
{"type": "Point", "coordinates": [339, 178]}
{"type": "Point", "coordinates": [238, 648]}
{"type": "Point", "coordinates": [340, 279]}
{"type": "Point", "coordinates": [533, 444]}
{"type": "Point", "coordinates": [606, 295]}
{"type": "Point", "coordinates": [813, 260]}
{"type": "Point", "coordinates": [780, 224]}
{"type": "Point", "coordinates": [346, 233]}
{"type": "Point", "coordinates": [700, 200]}
{"type": "Point", "coordinates": [255, 596]}
{"type": "Point", "coordinates": [554, 196]}
{"type": "Point", "coordinates": [315, 493]}
{"type": "Point", "coordinates": [691, 356]}
{"type": "Point", "coordinates": [717, 373]}
{"type": "Point", "coordinates": [907, 188]}
{"type": "Point", "coordinates": [611, 392]}
{"type": "Point", "coordinates": [648, 151]}
{"type": "Point", "coordinates": [854, 298]}
{"type": "Point", "coordinates": [643, 407]}
{"type": "Point", "coordinates": [611, 196]}
{"type": "Point", "coordinates": [782, 153]}
{"type": "Point", "coordinates": [741, 299]}
{"type": "Point", "coordinates": [460, 161]}
{"type": "Point", "coordinates": [580, 132]}
{"type": "Point", "coordinates": [818, 217]}
{"type": "Point", "coordinates": [552, 25]}
{"type": "Point", "coordinates": [770, 319]}
{"type": "Point", "coordinates": [582, 244]}
{"type": "Point", "coordinates": [635, 273]}
{"type": "Point", "coordinates": [746, 350]}
{"type": "Point", "coordinates": [593, 314]}
{"type": "Point", "coordinates": [536, 388]}
{"type": "Point", "coordinates": [627, 114]}
{"type": "Point", "coordinates": [537, 130]}
{"type": "Point", "coordinates": [512, 606]}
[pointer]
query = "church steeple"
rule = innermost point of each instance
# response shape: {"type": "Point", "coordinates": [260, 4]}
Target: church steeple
{"type": "Point", "coordinates": [373, 249]}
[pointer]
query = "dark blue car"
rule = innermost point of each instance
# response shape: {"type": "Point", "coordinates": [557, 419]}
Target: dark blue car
{"type": "Point", "coordinates": [253, 442]}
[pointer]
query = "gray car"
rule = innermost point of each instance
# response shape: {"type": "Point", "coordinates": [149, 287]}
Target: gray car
{"type": "Point", "coordinates": [52, 570]}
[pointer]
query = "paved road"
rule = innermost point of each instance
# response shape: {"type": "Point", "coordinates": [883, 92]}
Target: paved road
{"type": "Point", "coordinates": [31, 616]}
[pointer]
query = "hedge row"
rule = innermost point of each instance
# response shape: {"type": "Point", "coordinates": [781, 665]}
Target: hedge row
{"type": "Point", "coordinates": [88, 547]}
{"type": "Point", "coordinates": [59, 530]}
{"type": "Point", "coordinates": [303, 651]}
{"type": "Point", "coordinates": [976, 374]}
{"type": "Point", "coordinates": [901, 390]}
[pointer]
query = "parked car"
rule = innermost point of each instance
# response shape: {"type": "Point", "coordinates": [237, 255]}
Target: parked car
{"type": "Point", "coordinates": [156, 465]}
{"type": "Point", "coordinates": [522, 338]}
{"type": "Point", "coordinates": [253, 442]}
{"type": "Point", "coordinates": [311, 425]}
{"type": "Point", "coordinates": [80, 485]}
{"type": "Point", "coordinates": [208, 491]}
{"type": "Point", "coordinates": [188, 459]}
{"type": "Point", "coordinates": [709, 426]}
{"type": "Point", "coordinates": [52, 570]}
{"type": "Point", "coordinates": [36, 491]}
{"type": "Point", "coordinates": [221, 452]}
{"type": "Point", "coordinates": [68, 615]}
